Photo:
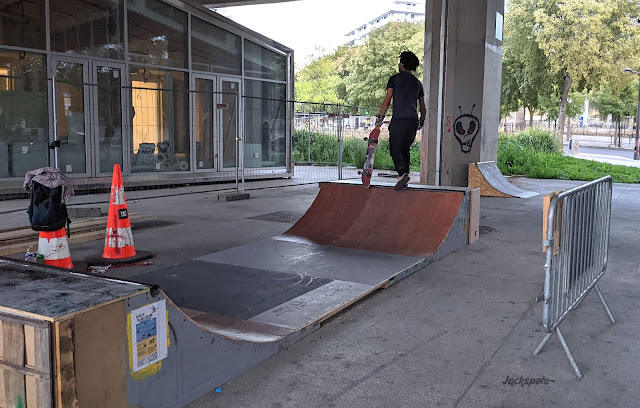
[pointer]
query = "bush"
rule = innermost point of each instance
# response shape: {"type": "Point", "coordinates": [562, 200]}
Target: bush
{"type": "Point", "coordinates": [324, 150]}
{"type": "Point", "coordinates": [535, 154]}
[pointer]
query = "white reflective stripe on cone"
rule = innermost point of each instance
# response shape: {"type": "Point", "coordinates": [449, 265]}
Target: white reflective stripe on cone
{"type": "Point", "coordinates": [54, 248]}
{"type": "Point", "coordinates": [118, 238]}
{"type": "Point", "coordinates": [117, 195]}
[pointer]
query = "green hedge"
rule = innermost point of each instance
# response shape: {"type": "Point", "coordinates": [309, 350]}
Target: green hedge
{"type": "Point", "coordinates": [532, 153]}
{"type": "Point", "coordinates": [324, 151]}
{"type": "Point", "coordinates": [535, 154]}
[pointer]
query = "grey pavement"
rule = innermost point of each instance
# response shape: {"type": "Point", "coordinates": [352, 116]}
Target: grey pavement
{"type": "Point", "coordinates": [449, 335]}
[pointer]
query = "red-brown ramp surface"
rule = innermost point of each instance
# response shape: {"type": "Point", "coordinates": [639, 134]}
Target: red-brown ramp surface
{"type": "Point", "coordinates": [412, 222]}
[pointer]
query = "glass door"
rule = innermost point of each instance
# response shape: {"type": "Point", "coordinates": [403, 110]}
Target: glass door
{"type": "Point", "coordinates": [204, 102]}
{"type": "Point", "coordinates": [108, 125]}
{"type": "Point", "coordinates": [71, 101]}
{"type": "Point", "coordinates": [228, 106]}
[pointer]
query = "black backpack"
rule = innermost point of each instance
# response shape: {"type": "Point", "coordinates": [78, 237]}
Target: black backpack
{"type": "Point", "coordinates": [47, 212]}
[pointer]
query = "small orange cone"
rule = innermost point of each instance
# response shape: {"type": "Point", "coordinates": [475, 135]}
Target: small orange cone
{"type": "Point", "coordinates": [54, 247]}
{"type": "Point", "coordinates": [118, 243]}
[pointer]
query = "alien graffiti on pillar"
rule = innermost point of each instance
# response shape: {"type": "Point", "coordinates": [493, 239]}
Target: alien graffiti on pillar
{"type": "Point", "coordinates": [466, 128]}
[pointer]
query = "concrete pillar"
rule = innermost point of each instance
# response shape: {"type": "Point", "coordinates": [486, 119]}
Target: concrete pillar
{"type": "Point", "coordinates": [462, 75]}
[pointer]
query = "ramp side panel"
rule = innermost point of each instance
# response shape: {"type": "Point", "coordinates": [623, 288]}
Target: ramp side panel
{"type": "Point", "coordinates": [456, 237]}
{"type": "Point", "coordinates": [493, 176]}
{"type": "Point", "coordinates": [332, 213]}
{"type": "Point", "coordinates": [198, 361]}
{"type": "Point", "coordinates": [410, 222]}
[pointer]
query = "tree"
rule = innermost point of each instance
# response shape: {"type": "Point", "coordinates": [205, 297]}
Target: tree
{"type": "Point", "coordinates": [586, 41]}
{"type": "Point", "coordinates": [527, 75]}
{"type": "Point", "coordinates": [617, 104]}
{"type": "Point", "coordinates": [319, 82]}
{"type": "Point", "coordinates": [370, 66]}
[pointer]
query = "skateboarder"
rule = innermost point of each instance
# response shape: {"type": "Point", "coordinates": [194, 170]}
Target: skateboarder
{"type": "Point", "coordinates": [405, 89]}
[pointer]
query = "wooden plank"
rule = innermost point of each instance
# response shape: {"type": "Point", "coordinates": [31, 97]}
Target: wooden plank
{"type": "Point", "coordinates": [30, 362]}
{"type": "Point", "coordinates": [100, 338]}
{"type": "Point", "coordinates": [13, 353]}
{"type": "Point", "coordinates": [474, 216]}
{"type": "Point", "coordinates": [42, 341]}
{"type": "Point", "coordinates": [64, 367]}
{"type": "Point", "coordinates": [75, 239]}
{"type": "Point", "coordinates": [22, 370]}
{"type": "Point", "coordinates": [477, 180]}
{"type": "Point", "coordinates": [16, 246]}
{"type": "Point", "coordinates": [546, 203]}
{"type": "Point", "coordinates": [3, 400]}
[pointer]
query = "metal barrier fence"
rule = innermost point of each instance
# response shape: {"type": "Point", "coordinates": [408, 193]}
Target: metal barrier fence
{"type": "Point", "coordinates": [576, 241]}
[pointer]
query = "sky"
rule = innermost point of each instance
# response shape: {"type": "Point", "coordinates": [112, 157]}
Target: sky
{"type": "Point", "coordinates": [305, 25]}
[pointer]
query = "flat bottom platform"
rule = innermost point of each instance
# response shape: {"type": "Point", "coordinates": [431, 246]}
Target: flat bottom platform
{"type": "Point", "coordinates": [298, 283]}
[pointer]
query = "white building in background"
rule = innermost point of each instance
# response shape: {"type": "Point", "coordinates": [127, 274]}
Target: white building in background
{"type": "Point", "coordinates": [400, 11]}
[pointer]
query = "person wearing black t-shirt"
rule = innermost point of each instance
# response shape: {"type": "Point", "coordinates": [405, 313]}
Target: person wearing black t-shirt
{"type": "Point", "coordinates": [406, 92]}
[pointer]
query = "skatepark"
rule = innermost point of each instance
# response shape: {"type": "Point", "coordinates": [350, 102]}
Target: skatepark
{"type": "Point", "coordinates": [449, 333]}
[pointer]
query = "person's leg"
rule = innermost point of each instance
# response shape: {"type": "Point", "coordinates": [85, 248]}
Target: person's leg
{"type": "Point", "coordinates": [409, 138]}
{"type": "Point", "coordinates": [396, 147]}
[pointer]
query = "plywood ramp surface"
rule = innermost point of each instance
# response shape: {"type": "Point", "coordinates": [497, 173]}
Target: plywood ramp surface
{"type": "Point", "coordinates": [487, 177]}
{"type": "Point", "coordinates": [409, 222]}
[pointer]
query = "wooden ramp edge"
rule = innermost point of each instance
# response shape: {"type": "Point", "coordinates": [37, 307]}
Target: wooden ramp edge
{"type": "Point", "coordinates": [487, 177]}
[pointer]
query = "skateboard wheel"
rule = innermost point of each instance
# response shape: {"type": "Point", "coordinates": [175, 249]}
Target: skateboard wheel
{"type": "Point", "coordinates": [360, 173]}
{"type": "Point", "coordinates": [366, 139]}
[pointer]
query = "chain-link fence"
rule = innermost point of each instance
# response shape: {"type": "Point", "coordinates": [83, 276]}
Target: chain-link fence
{"type": "Point", "coordinates": [622, 134]}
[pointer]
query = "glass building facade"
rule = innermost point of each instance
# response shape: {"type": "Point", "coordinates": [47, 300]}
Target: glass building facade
{"type": "Point", "coordinates": [160, 87]}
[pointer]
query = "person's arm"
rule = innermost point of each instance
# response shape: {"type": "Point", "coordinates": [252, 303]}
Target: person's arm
{"type": "Point", "coordinates": [384, 107]}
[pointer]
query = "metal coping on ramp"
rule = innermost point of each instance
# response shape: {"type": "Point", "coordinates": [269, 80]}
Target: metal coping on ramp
{"type": "Point", "coordinates": [487, 177]}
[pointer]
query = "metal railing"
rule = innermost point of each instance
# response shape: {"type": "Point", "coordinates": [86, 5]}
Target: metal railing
{"type": "Point", "coordinates": [576, 241]}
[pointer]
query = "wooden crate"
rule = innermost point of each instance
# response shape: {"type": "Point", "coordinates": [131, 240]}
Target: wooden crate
{"type": "Point", "coordinates": [25, 362]}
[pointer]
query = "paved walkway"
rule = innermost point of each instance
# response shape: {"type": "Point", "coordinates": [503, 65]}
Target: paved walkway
{"type": "Point", "coordinates": [450, 335]}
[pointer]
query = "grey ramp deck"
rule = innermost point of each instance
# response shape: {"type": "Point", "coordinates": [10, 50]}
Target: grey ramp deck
{"type": "Point", "coordinates": [50, 294]}
{"type": "Point", "coordinates": [229, 290]}
{"type": "Point", "coordinates": [496, 179]}
{"type": "Point", "coordinates": [294, 256]}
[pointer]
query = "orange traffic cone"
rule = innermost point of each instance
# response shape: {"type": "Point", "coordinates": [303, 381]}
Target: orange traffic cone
{"type": "Point", "coordinates": [54, 247]}
{"type": "Point", "coordinates": [118, 243]}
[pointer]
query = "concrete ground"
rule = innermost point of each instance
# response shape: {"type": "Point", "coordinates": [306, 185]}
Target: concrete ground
{"type": "Point", "coordinates": [448, 335]}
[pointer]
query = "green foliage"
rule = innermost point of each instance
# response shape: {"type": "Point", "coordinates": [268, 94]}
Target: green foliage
{"type": "Point", "coordinates": [534, 154]}
{"type": "Point", "coordinates": [319, 82]}
{"type": "Point", "coordinates": [324, 151]}
{"type": "Point", "coordinates": [616, 104]}
{"type": "Point", "coordinates": [370, 65]}
{"type": "Point", "coordinates": [527, 76]}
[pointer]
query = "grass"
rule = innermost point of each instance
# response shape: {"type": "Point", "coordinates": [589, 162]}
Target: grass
{"type": "Point", "coordinates": [532, 154]}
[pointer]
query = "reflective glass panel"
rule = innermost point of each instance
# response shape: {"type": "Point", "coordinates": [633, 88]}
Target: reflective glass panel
{"type": "Point", "coordinates": [23, 24]}
{"type": "Point", "coordinates": [70, 110]}
{"type": "Point", "coordinates": [214, 49]}
{"type": "Point", "coordinates": [84, 27]}
{"type": "Point", "coordinates": [157, 33]}
{"type": "Point", "coordinates": [24, 117]}
{"type": "Point", "coordinates": [229, 125]}
{"type": "Point", "coordinates": [260, 62]}
{"type": "Point", "coordinates": [109, 93]}
{"type": "Point", "coordinates": [265, 124]}
{"type": "Point", "coordinates": [160, 121]}
{"type": "Point", "coordinates": [204, 123]}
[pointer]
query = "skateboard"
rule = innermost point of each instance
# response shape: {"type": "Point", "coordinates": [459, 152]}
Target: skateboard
{"type": "Point", "coordinates": [367, 170]}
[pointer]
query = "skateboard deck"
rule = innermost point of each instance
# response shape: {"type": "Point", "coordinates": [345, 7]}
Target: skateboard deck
{"type": "Point", "coordinates": [372, 145]}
